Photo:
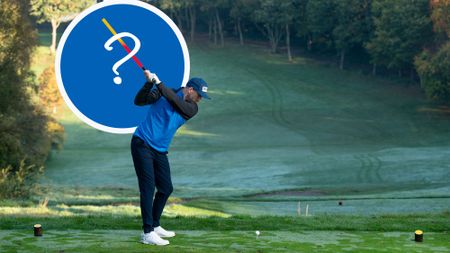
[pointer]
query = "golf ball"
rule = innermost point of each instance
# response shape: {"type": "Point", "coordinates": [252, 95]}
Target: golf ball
{"type": "Point", "coordinates": [257, 232]}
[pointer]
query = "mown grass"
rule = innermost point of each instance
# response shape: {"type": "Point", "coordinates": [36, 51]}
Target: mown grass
{"type": "Point", "coordinates": [277, 126]}
{"type": "Point", "coordinates": [385, 223]}
{"type": "Point", "coordinates": [106, 233]}
{"type": "Point", "coordinates": [272, 127]}
{"type": "Point", "coordinates": [222, 241]}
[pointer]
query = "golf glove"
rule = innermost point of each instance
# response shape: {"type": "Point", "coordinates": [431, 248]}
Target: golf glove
{"type": "Point", "coordinates": [151, 77]}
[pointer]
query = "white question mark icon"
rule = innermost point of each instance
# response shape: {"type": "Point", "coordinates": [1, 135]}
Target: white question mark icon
{"type": "Point", "coordinates": [137, 46]}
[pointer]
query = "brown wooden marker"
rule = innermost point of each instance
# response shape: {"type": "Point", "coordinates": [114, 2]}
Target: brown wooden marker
{"type": "Point", "coordinates": [37, 230]}
{"type": "Point", "coordinates": [418, 236]}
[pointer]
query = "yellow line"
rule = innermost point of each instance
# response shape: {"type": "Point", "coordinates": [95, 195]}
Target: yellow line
{"type": "Point", "coordinates": [112, 30]}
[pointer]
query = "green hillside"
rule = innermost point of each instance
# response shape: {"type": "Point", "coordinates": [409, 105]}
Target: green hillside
{"type": "Point", "coordinates": [277, 133]}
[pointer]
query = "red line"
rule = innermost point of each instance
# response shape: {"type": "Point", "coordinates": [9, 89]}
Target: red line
{"type": "Point", "coordinates": [134, 56]}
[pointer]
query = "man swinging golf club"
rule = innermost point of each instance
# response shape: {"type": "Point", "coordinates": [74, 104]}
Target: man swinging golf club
{"type": "Point", "coordinates": [169, 110]}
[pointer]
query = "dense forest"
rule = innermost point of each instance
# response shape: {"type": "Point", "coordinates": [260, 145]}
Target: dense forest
{"type": "Point", "coordinates": [405, 38]}
{"type": "Point", "coordinates": [27, 131]}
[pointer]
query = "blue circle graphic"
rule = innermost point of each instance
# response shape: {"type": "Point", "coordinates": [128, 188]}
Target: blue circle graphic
{"type": "Point", "coordinates": [84, 67]}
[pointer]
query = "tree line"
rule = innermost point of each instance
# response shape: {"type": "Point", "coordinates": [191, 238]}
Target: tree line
{"type": "Point", "coordinates": [405, 37]}
{"type": "Point", "coordinates": [27, 131]}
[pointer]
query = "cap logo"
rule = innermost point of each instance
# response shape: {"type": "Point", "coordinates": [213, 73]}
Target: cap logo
{"type": "Point", "coordinates": [205, 89]}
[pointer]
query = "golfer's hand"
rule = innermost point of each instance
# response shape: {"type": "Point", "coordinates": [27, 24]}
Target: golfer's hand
{"type": "Point", "coordinates": [153, 78]}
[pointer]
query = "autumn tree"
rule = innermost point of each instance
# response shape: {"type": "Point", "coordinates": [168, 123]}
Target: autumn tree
{"type": "Point", "coordinates": [57, 12]}
{"type": "Point", "coordinates": [440, 16]}
{"type": "Point", "coordinates": [24, 141]}
{"type": "Point", "coordinates": [434, 72]}
{"type": "Point", "coordinates": [433, 64]}
{"type": "Point", "coordinates": [49, 94]}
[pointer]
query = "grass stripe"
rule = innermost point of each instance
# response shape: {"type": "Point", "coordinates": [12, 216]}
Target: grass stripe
{"type": "Point", "coordinates": [430, 223]}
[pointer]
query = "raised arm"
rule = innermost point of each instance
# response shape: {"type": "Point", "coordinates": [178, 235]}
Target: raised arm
{"type": "Point", "coordinates": [187, 109]}
{"type": "Point", "coordinates": [147, 95]}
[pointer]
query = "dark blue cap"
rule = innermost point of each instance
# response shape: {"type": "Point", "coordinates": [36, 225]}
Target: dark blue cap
{"type": "Point", "coordinates": [200, 86]}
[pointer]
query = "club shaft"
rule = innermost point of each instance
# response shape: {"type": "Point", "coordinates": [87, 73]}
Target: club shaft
{"type": "Point", "coordinates": [124, 45]}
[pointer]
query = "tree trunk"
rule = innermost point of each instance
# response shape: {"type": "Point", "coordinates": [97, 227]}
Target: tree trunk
{"type": "Point", "coordinates": [272, 40]}
{"type": "Point", "coordinates": [55, 25]}
{"type": "Point", "coordinates": [193, 18]}
{"type": "Point", "coordinates": [219, 25]}
{"type": "Point", "coordinates": [241, 36]}
{"type": "Point", "coordinates": [186, 17]}
{"type": "Point", "coordinates": [288, 42]}
{"type": "Point", "coordinates": [309, 43]}
{"type": "Point", "coordinates": [412, 74]}
{"type": "Point", "coordinates": [274, 34]}
{"type": "Point", "coordinates": [374, 69]}
{"type": "Point", "coordinates": [210, 28]}
{"type": "Point", "coordinates": [215, 31]}
{"type": "Point", "coordinates": [341, 63]}
{"type": "Point", "coordinates": [180, 23]}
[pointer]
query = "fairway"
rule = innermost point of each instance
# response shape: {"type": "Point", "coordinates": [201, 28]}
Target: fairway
{"type": "Point", "coordinates": [275, 137]}
{"type": "Point", "coordinates": [217, 241]}
{"type": "Point", "coordinates": [276, 133]}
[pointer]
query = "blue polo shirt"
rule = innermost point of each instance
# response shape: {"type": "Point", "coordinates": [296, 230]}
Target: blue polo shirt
{"type": "Point", "coordinates": [161, 124]}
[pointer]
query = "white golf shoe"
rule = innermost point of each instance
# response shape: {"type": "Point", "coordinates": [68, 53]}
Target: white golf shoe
{"type": "Point", "coordinates": [163, 233]}
{"type": "Point", "coordinates": [153, 239]}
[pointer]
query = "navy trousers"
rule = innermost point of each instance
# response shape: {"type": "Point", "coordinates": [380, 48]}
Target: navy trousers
{"type": "Point", "coordinates": [152, 170]}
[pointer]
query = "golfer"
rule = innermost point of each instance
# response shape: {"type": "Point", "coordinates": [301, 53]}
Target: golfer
{"type": "Point", "coordinates": [169, 110]}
